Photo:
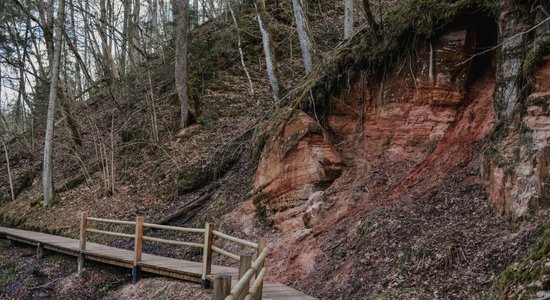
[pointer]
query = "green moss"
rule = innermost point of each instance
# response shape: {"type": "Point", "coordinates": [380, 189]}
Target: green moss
{"type": "Point", "coordinates": [534, 56]}
{"type": "Point", "coordinates": [542, 246]}
{"type": "Point", "coordinates": [520, 278]}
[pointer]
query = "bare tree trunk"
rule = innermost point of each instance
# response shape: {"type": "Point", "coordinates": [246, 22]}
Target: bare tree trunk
{"type": "Point", "coordinates": [78, 79]}
{"type": "Point", "coordinates": [152, 108]}
{"type": "Point", "coordinates": [86, 43]}
{"type": "Point", "coordinates": [197, 13]}
{"type": "Point", "coordinates": [269, 59]}
{"type": "Point", "coordinates": [181, 60]}
{"type": "Point", "coordinates": [110, 66]}
{"type": "Point", "coordinates": [153, 17]}
{"type": "Point", "coordinates": [9, 171]}
{"type": "Point", "coordinates": [41, 68]}
{"type": "Point", "coordinates": [47, 178]}
{"type": "Point", "coordinates": [163, 20]}
{"type": "Point", "coordinates": [302, 35]}
{"type": "Point", "coordinates": [348, 18]}
{"type": "Point", "coordinates": [112, 155]}
{"type": "Point", "coordinates": [241, 50]}
{"type": "Point", "coordinates": [125, 37]}
{"type": "Point", "coordinates": [21, 58]}
{"type": "Point", "coordinates": [48, 21]}
{"type": "Point", "coordinates": [133, 32]}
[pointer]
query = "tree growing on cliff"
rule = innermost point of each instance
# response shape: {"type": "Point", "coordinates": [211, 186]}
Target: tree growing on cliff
{"type": "Point", "coordinates": [348, 18]}
{"type": "Point", "coordinates": [261, 16]}
{"type": "Point", "coordinates": [303, 37]}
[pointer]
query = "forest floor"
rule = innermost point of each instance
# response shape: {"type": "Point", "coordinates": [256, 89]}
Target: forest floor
{"type": "Point", "coordinates": [54, 276]}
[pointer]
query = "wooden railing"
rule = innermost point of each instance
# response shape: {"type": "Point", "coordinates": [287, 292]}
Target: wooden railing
{"type": "Point", "coordinates": [243, 290]}
{"type": "Point", "coordinates": [222, 284]}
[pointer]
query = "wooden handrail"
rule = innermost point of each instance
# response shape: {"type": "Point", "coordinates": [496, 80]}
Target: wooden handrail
{"type": "Point", "coordinates": [225, 253]}
{"type": "Point", "coordinates": [175, 228]}
{"type": "Point", "coordinates": [234, 239]}
{"type": "Point", "coordinates": [112, 221]}
{"type": "Point", "coordinates": [246, 273]}
{"type": "Point", "coordinates": [171, 242]}
{"type": "Point", "coordinates": [258, 283]}
{"type": "Point", "coordinates": [118, 234]}
{"type": "Point", "coordinates": [244, 282]}
{"type": "Point", "coordinates": [262, 244]}
{"type": "Point", "coordinates": [260, 259]}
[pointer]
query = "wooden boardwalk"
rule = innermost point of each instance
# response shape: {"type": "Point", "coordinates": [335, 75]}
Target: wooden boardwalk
{"type": "Point", "coordinates": [169, 267]}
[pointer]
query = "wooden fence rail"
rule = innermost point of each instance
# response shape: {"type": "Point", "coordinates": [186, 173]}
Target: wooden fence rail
{"type": "Point", "coordinates": [242, 289]}
{"type": "Point", "coordinates": [247, 269]}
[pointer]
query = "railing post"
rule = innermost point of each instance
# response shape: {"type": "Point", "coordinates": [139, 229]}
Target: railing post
{"type": "Point", "coordinates": [138, 247]}
{"type": "Point", "coordinates": [39, 250]}
{"type": "Point", "coordinates": [244, 265]}
{"type": "Point", "coordinates": [222, 287]}
{"type": "Point", "coordinates": [207, 254]}
{"type": "Point", "coordinates": [83, 228]}
{"type": "Point", "coordinates": [261, 246]}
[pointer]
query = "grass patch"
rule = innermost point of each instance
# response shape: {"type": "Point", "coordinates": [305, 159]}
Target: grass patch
{"type": "Point", "coordinates": [528, 276]}
{"type": "Point", "coordinates": [8, 273]}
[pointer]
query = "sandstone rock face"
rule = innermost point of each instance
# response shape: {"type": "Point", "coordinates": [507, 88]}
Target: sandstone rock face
{"type": "Point", "coordinates": [400, 121]}
{"type": "Point", "coordinates": [296, 164]}
{"type": "Point", "coordinates": [313, 210]}
{"type": "Point", "coordinates": [516, 167]}
{"type": "Point", "coordinates": [405, 117]}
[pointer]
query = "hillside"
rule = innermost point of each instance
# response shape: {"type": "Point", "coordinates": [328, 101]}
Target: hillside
{"type": "Point", "coordinates": [412, 163]}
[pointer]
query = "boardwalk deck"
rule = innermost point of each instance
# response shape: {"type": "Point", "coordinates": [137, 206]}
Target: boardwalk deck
{"type": "Point", "coordinates": [164, 266]}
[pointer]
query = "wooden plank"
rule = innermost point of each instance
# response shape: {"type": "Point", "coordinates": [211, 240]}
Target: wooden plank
{"type": "Point", "coordinates": [109, 261]}
{"type": "Point", "coordinates": [171, 274]}
{"type": "Point", "coordinates": [22, 240]}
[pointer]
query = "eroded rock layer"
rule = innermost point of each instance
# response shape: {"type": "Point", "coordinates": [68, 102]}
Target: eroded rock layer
{"type": "Point", "coordinates": [295, 165]}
